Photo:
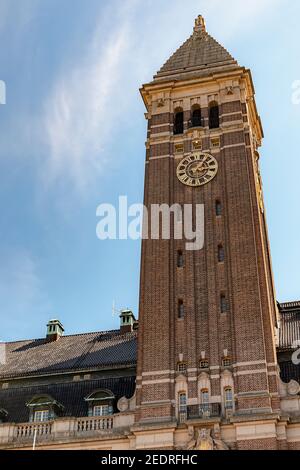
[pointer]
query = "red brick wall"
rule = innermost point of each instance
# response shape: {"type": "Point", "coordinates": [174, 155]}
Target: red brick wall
{"type": "Point", "coordinates": [262, 444]}
{"type": "Point", "coordinates": [246, 330]}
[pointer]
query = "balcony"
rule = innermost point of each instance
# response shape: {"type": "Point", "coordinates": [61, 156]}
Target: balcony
{"type": "Point", "coordinates": [62, 430]}
{"type": "Point", "coordinates": [211, 410]}
{"type": "Point", "coordinates": [196, 122]}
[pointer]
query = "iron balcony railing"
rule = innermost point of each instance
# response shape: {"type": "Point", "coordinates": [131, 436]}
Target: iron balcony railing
{"type": "Point", "coordinates": [196, 122]}
{"type": "Point", "coordinates": [209, 410]}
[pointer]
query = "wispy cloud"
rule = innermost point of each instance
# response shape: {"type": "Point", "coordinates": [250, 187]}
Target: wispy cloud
{"type": "Point", "coordinates": [80, 109]}
{"type": "Point", "coordinates": [75, 127]}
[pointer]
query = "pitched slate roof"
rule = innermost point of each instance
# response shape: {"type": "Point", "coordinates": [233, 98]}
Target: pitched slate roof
{"type": "Point", "coordinates": [69, 353]}
{"type": "Point", "coordinates": [289, 325]}
{"type": "Point", "coordinates": [200, 52]}
{"type": "Point", "coordinates": [71, 395]}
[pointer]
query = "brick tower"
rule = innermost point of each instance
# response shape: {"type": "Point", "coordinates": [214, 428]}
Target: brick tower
{"type": "Point", "coordinates": [208, 318]}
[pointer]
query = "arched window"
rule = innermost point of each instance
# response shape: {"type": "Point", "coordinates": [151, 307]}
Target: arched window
{"type": "Point", "coordinates": [180, 259]}
{"type": "Point", "coordinates": [180, 309]}
{"type": "Point", "coordinates": [182, 407]}
{"type": "Point", "coordinates": [196, 116]}
{"type": "Point", "coordinates": [204, 398]}
{"type": "Point", "coordinates": [100, 403]}
{"type": "Point", "coordinates": [228, 398]}
{"type": "Point", "coordinates": [221, 254]}
{"type": "Point", "coordinates": [214, 115]}
{"type": "Point", "coordinates": [178, 121]}
{"type": "Point", "coordinates": [218, 208]}
{"type": "Point", "coordinates": [43, 408]}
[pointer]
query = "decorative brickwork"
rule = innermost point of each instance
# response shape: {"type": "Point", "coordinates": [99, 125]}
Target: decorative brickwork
{"type": "Point", "coordinates": [245, 324]}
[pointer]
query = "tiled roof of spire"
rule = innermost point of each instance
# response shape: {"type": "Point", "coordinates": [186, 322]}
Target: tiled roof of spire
{"type": "Point", "coordinates": [200, 51]}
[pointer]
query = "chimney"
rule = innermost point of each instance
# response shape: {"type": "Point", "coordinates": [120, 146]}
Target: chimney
{"type": "Point", "coordinates": [54, 330]}
{"type": "Point", "coordinates": [128, 323]}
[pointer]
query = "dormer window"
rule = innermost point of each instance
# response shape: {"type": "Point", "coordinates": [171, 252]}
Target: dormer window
{"type": "Point", "coordinates": [102, 410]}
{"type": "Point", "coordinates": [100, 403]}
{"type": "Point", "coordinates": [41, 416]}
{"type": "Point", "coordinates": [43, 408]}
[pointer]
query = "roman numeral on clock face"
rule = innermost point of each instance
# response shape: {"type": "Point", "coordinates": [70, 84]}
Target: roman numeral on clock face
{"type": "Point", "coordinates": [206, 164]}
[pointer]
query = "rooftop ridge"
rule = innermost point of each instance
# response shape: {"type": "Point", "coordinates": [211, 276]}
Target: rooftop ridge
{"type": "Point", "coordinates": [106, 332]}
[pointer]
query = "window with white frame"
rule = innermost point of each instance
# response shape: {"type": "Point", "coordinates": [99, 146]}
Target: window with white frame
{"type": "Point", "coordinates": [204, 398]}
{"type": "Point", "coordinates": [100, 403]}
{"type": "Point", "coordinates": [101, 410]}
{"type": "Point", "coordinates": [182, 407]}
{"type": "Point", "coordinates": [228, 398]}
{"type": "Point", "coordinates": [41, 416]}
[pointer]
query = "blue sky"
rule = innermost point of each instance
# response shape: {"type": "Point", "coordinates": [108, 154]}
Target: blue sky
{"type": "Point", "coordinates": [72, 136]}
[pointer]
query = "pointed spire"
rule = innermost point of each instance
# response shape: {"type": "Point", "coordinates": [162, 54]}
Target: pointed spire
{"type": "Point", "coordinates": [200, 55]}
{"type": "Point", "coordinates": [200, 26]}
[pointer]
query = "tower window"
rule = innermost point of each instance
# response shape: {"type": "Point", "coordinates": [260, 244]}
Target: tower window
{"type": "Point", "coordinates": [197, 145]}
{"type": "Point", "coordinates": [223, 304]}
{"type": "Point", "coordinates": [221, 254]}
{"type": "Point", "coordinates": [214, 115]}
{"type": "Point", "coordinates": [226, 362]}
{"type": "Point", "coordinates": [182, 407]}
{"type": "Point", "coordinates": [180, 309]}
{"type": "Point", "coordinates": [218, 208]}
{"type": "Point", "coordinates": [180, 259]}
{"type": "Point", "coordinates": [204, 364]}
{"type": "Point", "coordinates": [196, 117]}
{"type": "Point", "coordinates": [178, 122]}
{"type": "Point", "coordinates": [182, 367]}
{"type": "Point", "coordinates": [215, 142]}
{"type": "Point", "coordinates": [228, 398]}
{"type": "Point", "coordinates": [179, 148]}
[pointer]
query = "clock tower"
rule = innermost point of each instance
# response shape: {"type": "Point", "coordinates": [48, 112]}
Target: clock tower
{"type": "Point", "coordinates": [208, 317]}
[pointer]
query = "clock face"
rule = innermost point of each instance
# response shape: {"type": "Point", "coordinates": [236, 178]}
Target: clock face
{"type": "Point", "coordinates": [197, 169]}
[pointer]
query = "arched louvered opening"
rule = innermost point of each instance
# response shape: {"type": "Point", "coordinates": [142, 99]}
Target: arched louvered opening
{"type": "Point", "coordinates": [214, 115]}
{"type": "Point", "coordinates": [196, 120]}
{"type": "Point", "coordinates": [178, 121]}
